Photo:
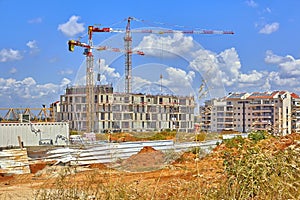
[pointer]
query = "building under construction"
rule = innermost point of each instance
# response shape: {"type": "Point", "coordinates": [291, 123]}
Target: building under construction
{"type": "Point", "coordinates": [126, 112]}
{"type": "Point", "coordinates": [98, 109]}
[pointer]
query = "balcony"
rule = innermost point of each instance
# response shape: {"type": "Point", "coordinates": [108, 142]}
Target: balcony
{"type": "Point", "coordinates": [261, 104]}
{"type": "Point", "coordinates": [262, 110]}
{"type": "Point", "coordinates": [265, 122]}
{"type": "Point", "coordinates": [262, 116]}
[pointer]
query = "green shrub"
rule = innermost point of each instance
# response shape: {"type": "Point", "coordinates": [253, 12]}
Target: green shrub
{"type": "Point", "coordinates": [164, 135]}
{"type": "Point", "coordinates": [235, 142]}
{"type": "Point", "coordinates": [200, 137]}
{"type": "Point", "coordinates": [257, 136]}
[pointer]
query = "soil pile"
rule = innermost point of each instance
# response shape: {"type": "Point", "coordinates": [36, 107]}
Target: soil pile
{"type": "Point", "coordinates": [35, 167]}
{"type": "Point", "coordinates": [147, 159]}
{"type": "Point", "coordinates": [188, 177]}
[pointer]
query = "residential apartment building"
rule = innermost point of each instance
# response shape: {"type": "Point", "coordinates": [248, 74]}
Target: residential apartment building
{"type": "Point", "coordinates": [127, 112]}
{"type": "Point", "coordinates": [277, 111]}
{"type": "Point", "coordinates": [216, 115]}
{"type": "Point", "coordinates": [295, 113]}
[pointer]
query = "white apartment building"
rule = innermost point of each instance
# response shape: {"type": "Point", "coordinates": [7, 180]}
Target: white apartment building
{"type": "Point", "coordinates": [127, 112]}
{"type": "Point", "coordinates": [277, 111]}
{"type": "Point", "coordinates": [295, 113]}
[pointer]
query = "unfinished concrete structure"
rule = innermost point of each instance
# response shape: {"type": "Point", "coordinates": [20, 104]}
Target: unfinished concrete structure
{"type": "Point", "coordinates": [127, 112]}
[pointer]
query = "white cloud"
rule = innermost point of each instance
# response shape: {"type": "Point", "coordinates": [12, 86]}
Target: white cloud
{"type": "Point", "coordinates": [269, 28]}
{"type": "Point", "coordinates": [275, 59]}
{"type": "Point", "coordinates": [251, 3]}
{"type": "Point", "coordinates": [288, 76]}
{"type": "Point", "coordinates": [225, 67]}
{"type": "Point", "coordinates": [229, 64]}
{"type": "Point", "coordinates": [288, 65]}
{"type": "Point", "coordinates": [291, 68]}
{"type": "Point", "coordinates": [9, 55]}
{"type": "Point", "coordinates": [268, 10]}
{"type": "Point", "coordinates": [251, 78]}
{"type": "Point", "coordinates": [13, 70]}
{"type": "Point", "coordinates": [32, 44]}
{"type": "Point", "coordinates": [65, 82]}
{"type": "Point", "coordinates": [65, 72]}
{"type": "Point", "coordinates": [72, 27]}
{"type": "Point", "coordinates": [154, 45]}
{"type": "Point", "coordinates": [277, 80]}
{"type": "Point", "coordinates": [35, 20]}
{"type": "Point", "coordinates": [219, 69]}
{"type": "Point", "coordinates": [108, 71]}
{"type": "Point", "coordinates": [28, 92]}
{"type": "Point", "coordinates": [138, 82]}
{"type": "Point", "coordinates": [174, 81]}
{"type": "Point", "coordinates": [177, 79]}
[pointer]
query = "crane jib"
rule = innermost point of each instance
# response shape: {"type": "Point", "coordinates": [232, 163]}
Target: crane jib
{"type": "Point", "coordinates": [149, 31]}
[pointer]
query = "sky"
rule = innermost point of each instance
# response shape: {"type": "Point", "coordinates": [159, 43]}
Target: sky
{"type": "Point", "coordinates": [263, 54]}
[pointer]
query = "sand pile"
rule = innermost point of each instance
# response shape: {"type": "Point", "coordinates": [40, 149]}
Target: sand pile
{"type": "Point", "coordinates": [147, 159]}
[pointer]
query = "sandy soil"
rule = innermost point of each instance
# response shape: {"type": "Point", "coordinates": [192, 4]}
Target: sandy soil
{"type": "Point", "coordinates": [208, 171]}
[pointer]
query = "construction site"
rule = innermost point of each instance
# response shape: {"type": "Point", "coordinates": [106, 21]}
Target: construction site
{"type": "Point", "coordinates": [96, 143]}
{"type": "Point", "coordinates": [96, 108]}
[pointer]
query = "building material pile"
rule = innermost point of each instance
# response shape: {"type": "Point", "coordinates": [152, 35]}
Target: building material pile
{"type": "Point", "coordinates": [14, 161]}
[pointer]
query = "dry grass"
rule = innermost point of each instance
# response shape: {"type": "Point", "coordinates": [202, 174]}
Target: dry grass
{"type": "Point", "coordinates": [253, 168]}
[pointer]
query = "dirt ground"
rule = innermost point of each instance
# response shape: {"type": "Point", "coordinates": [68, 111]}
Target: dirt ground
{"type": "Point", "coordinates": [207, 171]}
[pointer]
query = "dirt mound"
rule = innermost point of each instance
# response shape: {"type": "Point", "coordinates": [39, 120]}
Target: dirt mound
{"type": "Point", "coordinates": [185, 178]}
{"type": "Point", "coordinates": [147, 149]}
{"type": "Point", "coordinates": [34, 168]}
{"type": "Point", "coordinates": [98, 166]}
{"type": "Point", "coordinates": [147, 159]}
{"type": "Point", "coordinates": [281, 143]}
{"type": "Point", "coordinates": [185, 157]}
{"type": "Point", "coordinates": [121, 137]}
{"type": "Point", "coordinates": [5, 177]}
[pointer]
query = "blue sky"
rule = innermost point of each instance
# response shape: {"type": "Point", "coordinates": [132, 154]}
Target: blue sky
{"type": "Point", "coordinates": [262, 55]}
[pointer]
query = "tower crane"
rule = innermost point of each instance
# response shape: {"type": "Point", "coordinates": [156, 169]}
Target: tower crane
{"type": "Point", "coordinates": [128, 42]}
{"type": "Point", "coordinates": [128, 57]}
{"type": "Point", "coordinates": [90, 74]}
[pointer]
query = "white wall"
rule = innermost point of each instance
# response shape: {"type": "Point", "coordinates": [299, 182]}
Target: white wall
{"type": "Point", "coordinates": [9, 133]}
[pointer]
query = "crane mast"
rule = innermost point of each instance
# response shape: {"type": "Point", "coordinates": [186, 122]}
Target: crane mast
{"type": "Point", "coordinates": [90, 106]}
{"type": "Point", "coordinates": [90, 101]}
{"type": "Point", "coordinates": [89, 87]}
{"type": "Point", "coordinates": [128, 58]}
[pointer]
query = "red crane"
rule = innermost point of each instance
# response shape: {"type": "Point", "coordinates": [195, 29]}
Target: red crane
{"type": "Point", "coordinates": [90, 74]}
{"type": "Point", "coordinates": [128, 56]}
{"type": "Point", "coordinates": [73, 43]}
{"type": "Point", "coordinates": [128, 43]}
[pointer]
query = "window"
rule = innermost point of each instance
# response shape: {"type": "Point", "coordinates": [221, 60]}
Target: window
{"type": "Point", "coordinates": [220, 108]}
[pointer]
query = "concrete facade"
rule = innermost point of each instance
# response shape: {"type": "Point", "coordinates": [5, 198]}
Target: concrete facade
{"type": "Point", "coordinates": [277, 111]}
{"type": "Point", "coordinates": [127, 112]}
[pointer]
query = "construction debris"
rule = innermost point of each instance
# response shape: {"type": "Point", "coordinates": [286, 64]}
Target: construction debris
{"type": "Point", "coordinates": [14, 161]}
